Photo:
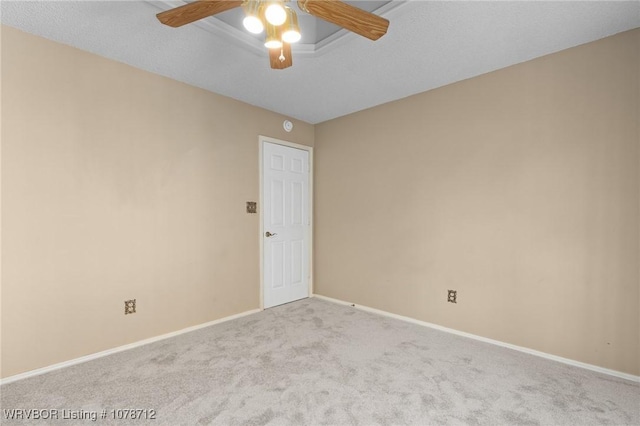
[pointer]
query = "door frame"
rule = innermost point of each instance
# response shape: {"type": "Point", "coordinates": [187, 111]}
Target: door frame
{"type": "Point", "coordinates": [261, 141]}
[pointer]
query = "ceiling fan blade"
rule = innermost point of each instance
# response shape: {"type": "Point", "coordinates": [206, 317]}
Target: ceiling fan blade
{"type": "Point", "coordinates": [353, 19]}
{"type": "Point", "coordinates": [192, 12]}
{"type": "Point", "coordinates": [274, 57]}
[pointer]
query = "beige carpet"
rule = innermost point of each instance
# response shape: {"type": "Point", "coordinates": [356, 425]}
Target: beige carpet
{"type": "Point", "coordinates": [316, 363]}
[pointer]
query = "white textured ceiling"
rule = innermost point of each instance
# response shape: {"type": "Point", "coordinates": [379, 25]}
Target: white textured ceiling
{"type": "Point", "coordinates": [429, 44]}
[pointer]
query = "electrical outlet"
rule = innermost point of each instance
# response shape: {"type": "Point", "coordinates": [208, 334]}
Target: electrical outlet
{"type": "Point", "coordinates": [452, 296]}
{"type": "Point", "coordinates": [252, 207]}
{"type": "Point", "coordinates": [130, 307]}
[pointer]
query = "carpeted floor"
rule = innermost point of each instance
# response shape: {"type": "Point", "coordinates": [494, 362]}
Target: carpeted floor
{"type": "Point", "coordinates": [313, 362]}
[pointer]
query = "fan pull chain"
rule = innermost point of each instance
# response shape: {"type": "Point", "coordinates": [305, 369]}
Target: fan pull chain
{"type": "Point", "coordinates": [281, 57]}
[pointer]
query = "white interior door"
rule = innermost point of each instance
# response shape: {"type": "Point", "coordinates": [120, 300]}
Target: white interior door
{"type": "Point", "coordinates": [286, 224]}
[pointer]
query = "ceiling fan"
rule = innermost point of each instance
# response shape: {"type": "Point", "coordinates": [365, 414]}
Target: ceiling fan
{"type": "Point", "coordinates": [280, 21]}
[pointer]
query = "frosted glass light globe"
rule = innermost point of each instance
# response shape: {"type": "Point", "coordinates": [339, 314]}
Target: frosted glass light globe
{"type": "Point", "coordinates": [273, 44]}
{"type": "Point", "coordinates": [291, 36]}
{"type": "Point", "coordinates": [275, 14]}
{"type": "Point", "coordinates": [253, 24]}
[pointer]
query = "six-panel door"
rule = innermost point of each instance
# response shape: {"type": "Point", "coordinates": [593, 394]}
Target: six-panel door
{"type": "Point", "coordinates": [285, 223]}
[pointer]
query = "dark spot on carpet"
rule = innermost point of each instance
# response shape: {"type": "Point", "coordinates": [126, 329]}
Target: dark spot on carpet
{"type": "Point", "coordinates": [164, 359]}
{"type": "Point", "coordinates": [262, 419]}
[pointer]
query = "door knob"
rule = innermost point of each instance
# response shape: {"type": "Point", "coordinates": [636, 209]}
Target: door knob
{"type": "Point", "coordinates": [269, 234]}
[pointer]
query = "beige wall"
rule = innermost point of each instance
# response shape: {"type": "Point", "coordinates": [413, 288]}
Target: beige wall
{"type": "Point", "coordinates": [518, 188]}
{"type": "Point", "coordinates": [120, 184]}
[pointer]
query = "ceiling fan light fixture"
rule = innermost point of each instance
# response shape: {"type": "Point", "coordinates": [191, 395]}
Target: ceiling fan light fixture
{"type": "Point", "coordinates": [275, 13]}
{"type": "Point", "coordinates": [291, 30]}
{"type": "Point", "coordinates": [273, 40]}
{"type": "Point", "coordinates": [280, 21]}
{"type": "Point", "coordinates": [252, 20]}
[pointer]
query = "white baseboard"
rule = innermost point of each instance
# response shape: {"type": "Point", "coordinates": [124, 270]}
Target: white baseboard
{"type": "Point", "coordinates": [101, 354]}
{"type": "Point", "coordinates": [487, 340]}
